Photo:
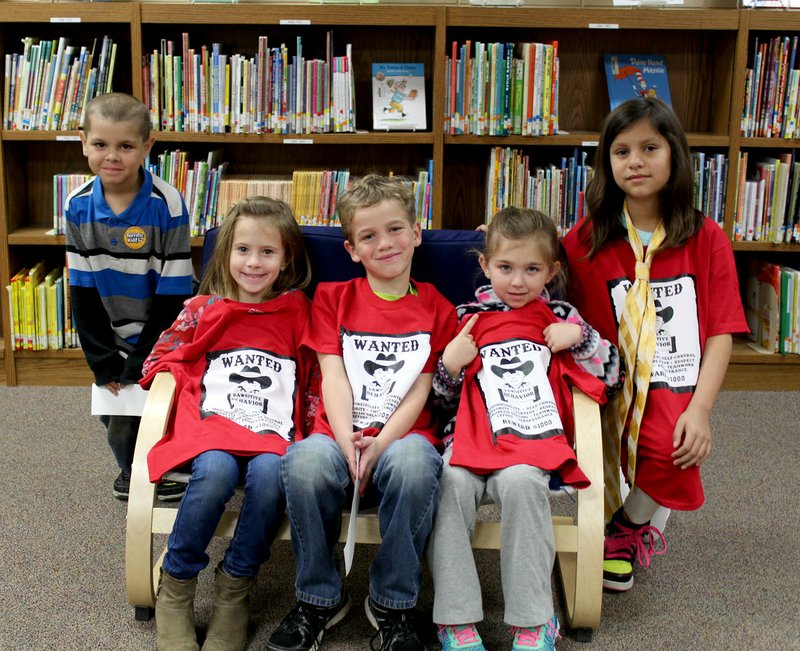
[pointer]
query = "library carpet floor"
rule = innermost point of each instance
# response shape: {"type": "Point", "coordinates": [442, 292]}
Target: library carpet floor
{"type": "Point", "coordinates": [730, 578]}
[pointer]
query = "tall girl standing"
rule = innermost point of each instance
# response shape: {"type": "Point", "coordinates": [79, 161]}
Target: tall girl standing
{"type": "Point", "coordinates": [240, 394]}
{"type": "Point", "coordinates": [655, 276]}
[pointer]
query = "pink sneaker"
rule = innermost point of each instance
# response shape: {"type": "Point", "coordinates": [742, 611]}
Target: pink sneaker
{"type": "Point", "coordinates": [543, 636]}
{"type": "Point", "coordinates": [624, 544]}
{"type": "Point", "coordinates": [463, 636]}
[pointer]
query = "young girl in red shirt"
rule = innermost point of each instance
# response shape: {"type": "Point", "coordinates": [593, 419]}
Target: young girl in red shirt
{"type": "Point", "coordinates": [241, 381]}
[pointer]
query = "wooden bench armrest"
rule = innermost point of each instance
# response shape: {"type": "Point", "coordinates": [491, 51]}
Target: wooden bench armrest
{"type": "Point", "coordinates": [582, 573]}
{"type": "Point", "coordinates": [138, 536]}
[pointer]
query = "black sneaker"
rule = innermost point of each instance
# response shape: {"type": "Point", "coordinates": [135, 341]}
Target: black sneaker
{"type": "Point", "coordinates": [122, 485]}
{"type": "Point", "coordinates": [170, 491]}
{"type": "Point", "coordinates": [397, 629]}
{"type": "Point", "coordinates": [302, 629]}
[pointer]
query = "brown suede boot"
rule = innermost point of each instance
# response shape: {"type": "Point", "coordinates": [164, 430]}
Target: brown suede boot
{"type": "Point", "coordinates": [230, 612]}
{"type": "Point", "coordinates": [175, 614]}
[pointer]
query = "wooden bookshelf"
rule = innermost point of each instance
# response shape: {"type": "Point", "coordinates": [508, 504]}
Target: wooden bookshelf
{"type": "Point", "coordinates": [706, 51]}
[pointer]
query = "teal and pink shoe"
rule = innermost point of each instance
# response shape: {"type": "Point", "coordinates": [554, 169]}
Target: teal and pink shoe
{"type": "Point", "coordinates": [539, 637]}
{"type": "Point", "coordinates": [464, 637]}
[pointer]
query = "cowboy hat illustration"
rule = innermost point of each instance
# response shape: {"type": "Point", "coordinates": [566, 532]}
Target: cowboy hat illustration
{"type": "Point", "coordinates": [512, 366]}
{"type": "Point", "coordinates": [385, 362]}
{"type": "Point", "coordinates": [665, 313]}
{"type": "Point", "coordinates": [251, 374]}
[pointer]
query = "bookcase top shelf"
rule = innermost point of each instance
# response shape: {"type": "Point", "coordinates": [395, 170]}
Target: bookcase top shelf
{"type": "Point", "coordinates": [68, 12]}
{"type": "Point", "coordinates": [290, 15]}
{"type": "Point", "coordinates": [572, 18]}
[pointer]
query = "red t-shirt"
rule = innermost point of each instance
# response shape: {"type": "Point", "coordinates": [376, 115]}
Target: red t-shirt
{"type": "Point", "coordinates": [516, 403]}
{"type": "Point", "coordinates": [385, 346]}
{"type": "Point", "coordinates": [696, 291]}
{"type": "Point", "coordinates": [240, 380]}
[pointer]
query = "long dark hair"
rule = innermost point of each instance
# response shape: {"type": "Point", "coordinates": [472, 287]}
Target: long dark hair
{"type": "Point", "coordinates": [604, 198]}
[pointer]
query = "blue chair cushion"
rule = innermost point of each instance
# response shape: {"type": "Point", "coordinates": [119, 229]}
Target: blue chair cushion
{"type": "Point", "coordinates": [446, 258]}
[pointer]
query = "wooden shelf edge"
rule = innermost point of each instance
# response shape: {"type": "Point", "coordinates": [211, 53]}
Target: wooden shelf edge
{"type": "Point", "coordinates": [572, 138]}
{"type": "Point", "coordinates": [260, 14]}
{"type": "Point", "coordinates": [577, 18]}
{"type": "Point", "coordinates": [299, 139]}
{"type": "Point", "coordinates": [769, 143]}
{"type": "Point", "coordinates": [37, 12]}
{"type": "Point", "coordinates": [369, 138]}
{"type": "Point", "coordinates": [743, 354]}
{"type": "Point", "coordinates": [768, 247]}
{"type": "Point", "coordinates": [35, 236]}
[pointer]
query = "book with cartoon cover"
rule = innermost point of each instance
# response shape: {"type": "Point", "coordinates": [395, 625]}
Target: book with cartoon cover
{"type": "Point", "coordinates": [636, 75]}
{"type": "Point", "coordinates": [398, 96]}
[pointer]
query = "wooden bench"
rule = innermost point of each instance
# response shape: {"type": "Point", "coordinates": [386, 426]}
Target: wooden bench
{"type": "Point", "coordinates": [578, 539]}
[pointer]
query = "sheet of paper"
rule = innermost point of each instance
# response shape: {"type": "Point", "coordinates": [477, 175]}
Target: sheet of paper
{"type": "Point", "coordinates": [128, 402]}
{"type": "Point", "coordinates": [350, 543]}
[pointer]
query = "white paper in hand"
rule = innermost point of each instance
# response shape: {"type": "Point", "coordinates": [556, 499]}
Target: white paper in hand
{"type": "Point", "coordinates": [128, 402]}
{"type": "Point", "coordinates": [350, 543]}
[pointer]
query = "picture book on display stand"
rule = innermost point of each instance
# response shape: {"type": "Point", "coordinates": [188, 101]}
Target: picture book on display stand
{"type": "Point", "coordinates": [398, 96]}
{"type": "Point", "coordinates": [636, 75]}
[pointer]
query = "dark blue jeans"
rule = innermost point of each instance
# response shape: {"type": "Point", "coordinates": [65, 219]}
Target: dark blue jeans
{"type": "Point", "coordinates": [405, 485]}
{"type": "Point", "coordinates": [215, 475]}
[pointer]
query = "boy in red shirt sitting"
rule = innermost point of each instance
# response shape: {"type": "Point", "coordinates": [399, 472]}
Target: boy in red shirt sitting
{"type": "Point", "coordinates": [377, 340]}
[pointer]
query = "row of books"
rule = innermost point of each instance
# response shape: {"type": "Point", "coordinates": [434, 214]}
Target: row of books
{"type": "Point", "coordinates": [496, 93]}
{"type": "Point", "coordinates": [63, 185]}
{"type": "Point", "coordinates": [710, 184]}
{"type": "Point", "coordinates": [767, 206]}
{"type": "Point", "coordinates": [38, 301]}
{"type": "Point", "coordinates": [48, 85]}
{"type": "Point", "coordinates": [312, 194]}
{"type": "Point", "coordinates": [772, 90]}
{"type": "Point", "coordinates": [208, 91]}
{"type": "Point", "coordinates": [772, 306]}
{"type": "Point", "coordinates": [197, 181]}
{"type": "Point", "coordinates": [557, 190]}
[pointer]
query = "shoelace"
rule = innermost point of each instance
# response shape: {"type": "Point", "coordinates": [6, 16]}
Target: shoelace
{"type": "Point", "coordinates": [632, 542]}
{"type": "Point", "coordinates": [464, 634]}
{"type": "Point", "coordinates": [303, 622]}
{"type": "Point", "coordinates": [527, 636]}
{"type": "Point", "coordinates": [401, 627]}
{"type": "Point", "coordinates": [531, 636]}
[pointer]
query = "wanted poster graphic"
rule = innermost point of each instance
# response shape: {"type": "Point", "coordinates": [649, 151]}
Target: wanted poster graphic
{"type": "Point", "coordinates": [381, 369]}
{"type": "Point", "coordinates": [676, 364]}
{"type": "Point", "coordinates": [253, 388]}
{"type": "Point", "coordinates": [517, 393]}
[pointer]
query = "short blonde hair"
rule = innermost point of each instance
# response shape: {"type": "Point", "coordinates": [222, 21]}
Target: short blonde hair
{"type": "Point", "coordinates": [119, 107]}
{"type": "Point", "coordinates": [370, 191]}
{"type": "Point", "coordinates": [296, 275]}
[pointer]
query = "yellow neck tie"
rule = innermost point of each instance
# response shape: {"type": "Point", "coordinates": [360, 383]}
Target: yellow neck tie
{"type": "Point", "coordinates": [637, 344]}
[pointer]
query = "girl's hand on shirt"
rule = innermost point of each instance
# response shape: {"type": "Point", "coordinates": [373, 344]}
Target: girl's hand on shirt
{"type": "Point", "coordinates": [691, 438]}
{"type": "Point", "coordinates": [114, 387]}
{"type": "Point", "coordinates": [371, 448]}
{"type": "Point", "coordinates": [461, 350]}
{"type": "Point", "coordinates": [562, 335]}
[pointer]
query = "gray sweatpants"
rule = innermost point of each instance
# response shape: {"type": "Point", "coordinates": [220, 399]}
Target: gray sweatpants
{"type": "Point", "coordinates": [527, 549]}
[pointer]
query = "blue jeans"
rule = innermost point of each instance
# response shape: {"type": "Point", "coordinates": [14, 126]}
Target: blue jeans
{"type": "Point", "coordinates": [404, 484]}
{"type": "Point", "coordinates": [215, 475]}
